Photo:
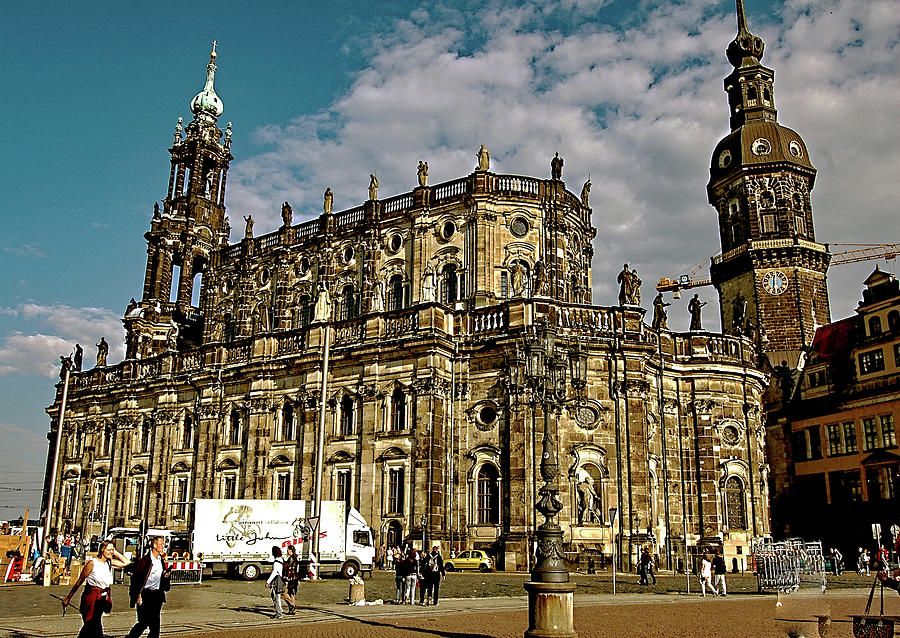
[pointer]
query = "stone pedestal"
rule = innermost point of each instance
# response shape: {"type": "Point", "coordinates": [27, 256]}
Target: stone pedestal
{"type": "Point", "coordinates": [550, 610]}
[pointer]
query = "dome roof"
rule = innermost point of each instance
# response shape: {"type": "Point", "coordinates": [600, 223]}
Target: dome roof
{"type": "Point", "coordinates": [206, 104]}
{"type": "Point", "coordinates": [758, 143]}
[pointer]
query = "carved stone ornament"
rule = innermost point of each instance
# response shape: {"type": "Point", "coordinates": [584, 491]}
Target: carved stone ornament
{"type": "Point", "coordinates": [703, 406]}
{"type": "Point", "coordinates": [670, 406]}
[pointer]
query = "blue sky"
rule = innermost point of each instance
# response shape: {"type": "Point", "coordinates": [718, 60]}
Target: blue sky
{"type": "Point", "coordinates": [322, 94]}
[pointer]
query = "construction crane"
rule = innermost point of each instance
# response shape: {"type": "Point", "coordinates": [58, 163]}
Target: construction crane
{"type": "Point", "coordinates": [860, 252]}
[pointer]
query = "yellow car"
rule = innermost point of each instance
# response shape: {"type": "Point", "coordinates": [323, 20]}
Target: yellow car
{"type": "Point", "coordinates": [470, 559]}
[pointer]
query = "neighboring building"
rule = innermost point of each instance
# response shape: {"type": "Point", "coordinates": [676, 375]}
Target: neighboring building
{"type": "Point", "coordinates": [403, 356]}
{"type": "Point", "coordinates": [840, 430]}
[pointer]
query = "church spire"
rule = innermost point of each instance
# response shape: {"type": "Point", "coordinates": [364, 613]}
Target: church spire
{"type": "Point", "coordinates": [746, 49]}
{"type": "Point", "coordinates": [206, 105]}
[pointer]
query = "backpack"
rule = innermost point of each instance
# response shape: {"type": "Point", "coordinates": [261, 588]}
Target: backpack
{"type": "Point", "coordinates": [432, 563]}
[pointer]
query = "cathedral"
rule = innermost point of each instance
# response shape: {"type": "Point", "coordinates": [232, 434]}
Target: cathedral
{"type": "Point", "coordinates": [431, 358]}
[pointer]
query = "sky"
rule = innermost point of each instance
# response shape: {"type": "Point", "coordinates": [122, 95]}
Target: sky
{"type": "Point", "coordinates": [321, 95]}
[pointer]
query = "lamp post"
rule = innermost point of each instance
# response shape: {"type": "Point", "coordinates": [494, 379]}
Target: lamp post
{"type": "Point", "coordinates": [424, 521]}
{"type": "Point", "coordinates": [543, 372]}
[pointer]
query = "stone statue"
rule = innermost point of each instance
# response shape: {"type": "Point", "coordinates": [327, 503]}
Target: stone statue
{"type": "Point", "coordinates": [556, 166]}
{"type": "Point", "coordinates": [635, 287]}
{"type": "Point", "coordinates": [172, 338]}
{"type": "Point", "coordinates": [518, 279]}
{"type": "Point", "coordinates": [102, 352]}
{"type": "Point", "coordinates": [660, 316]}
{"type": "Point", "coordinates": [484, 159]}
{"type": "Point", "coordinates": [585, 193]}
{"type": "Point", "coordinates": [422, 173]}
{"type": "Point", "coordinates": [79, 358]}
{"type": "Point", "coordinates": [131, 306]}
{"type": "Point", "coordinates": [373, 187]}
{"type": "Point", "coordinates": [378, 297]}
{"type": "Point", "coordinates": [540, 279]}
{"type": "Point", "coordinates": [588, 502]}
{"type": "Point", "coordinates": [625, 285]}
{"type": "Point", "coordinates": [694, 306]}
{"type": "Point", "coordinates": [428, 287]}
{"type": "Point", "coordinates": [248, 231]}
{"type": "Point", "coordinates": [287, 214]}
{"type": "Point", "coordinates": [155, 210]}
{"type": "Point", "coordinates": [785, 377]}
{"type": "Point", "coordinates": [329, 201]}
{"type": "Point", "coordinates": [738, 314]}
{"type": "Point", "coordinates": [323, 304]}
{"type": "Point", "coordinates": [65, 365]}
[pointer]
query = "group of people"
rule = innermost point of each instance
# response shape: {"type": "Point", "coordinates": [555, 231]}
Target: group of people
{"type": "Point", "coordinates": [283, 580]}
{"type": "Point", "coordinates": [713, 565]}
{"type": "Point", "coordinates": [146, 592]}
{"type": "Point", "coordinates": [865, 562]}
{"type": "Point", "coordinates": [421, 570]}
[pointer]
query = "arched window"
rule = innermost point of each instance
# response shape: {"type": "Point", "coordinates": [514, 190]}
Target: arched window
{"type": "Point", "coordinates": [589, 495]}
{"type": "Point", "coordinates": [287, 422]}
{"type": "Point", "coordinates": [488, 505]}
{"type": "Point", "coordinates": [894, 321]}
{"type": "Point", "coordinates": [449, 287]}
{"type": "Point", "coordinates": [398, 410]}
{"type": "Point", "coordinates": [874, 326]}
{"type": "Point", "coordinates": [348, 416]}
{"type": "Point", "coordinates": [228, 332]}
{"type": "Point", "coordinates": [751, 94]}
{"type": "Point", "coordinates": [187, 432]}
{"type": "Point", "coordinates": [146, 432]}
{"type": "Point", "coordinates": [735, 510]}
{"type": "Point", "coordinates": [348, 303]}
{"type": "Point", "coordinates": [767, 97]}
{"type": "Point", "coordinates": [395, 292]}
{"type": "Point", "coordinates": [234, 428]}
{"type": "Point", "coordinates": [394, 534]}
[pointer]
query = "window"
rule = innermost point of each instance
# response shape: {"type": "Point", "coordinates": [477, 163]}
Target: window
{"type": "Point", "coordinates": [488, 507]}
{"type": "Point", "coordinates": [734, 503]}
{"type": "Point", "coordinates": [845, 488]}
{"type": "Point", "coordinates": [835, 442]}
{"type": "Point", "coordinates": [850, 436]}
{"type": "Point", "coordinates": [348, 416]}
{"type": "Point", "coordinates": [894, 321]}
{"type": "Point", "coordinates": [234, 428]}
{"type": "Point", "coordinates": [874, 326]}
{"type": "Point", "coordinates": [737, 234]}
{"type": "Point", "coordinates": [187, 432]}
{"type": "Point", "coordinates": [71, 493]}
{"type": "Point", "coordinates": [449, 288]}
{"type": "Point", "coordinates": [287, 422]}
{"type": "Point", "coordinates": [229, 486]}
{"type": "Point", "coordinates": [106, 441]}
{"type": "Point", "coordinates": [888, 437]}
{"type": "Point", "coordinates": [398, 412]}
{"type": "Point", "coordinates": [395, 490]}
{"type": "Point", "coordinates": [395, 292]}
{"type": "Point", "coordinates": [814, 438]}
{"type": "Point", "coordinates": [144, 444]}
{"type": "Point", "coordinates": [348, 303]}
{"type": "Point", "coordinates": [283, 486]}
{"type": "Point", "coordinates": [769, 224]}
{"type": "Point", "coordinates": [870, 434]}
{"type": "Point", "coordinates": [897, 355]}
{"type": "Point", "coordinates": [882, 482]}
{"type": "Point", "coordinates": [799, 225]}
{"type": "Point", "coordinates": [343, 487]}
{"type": "Point", "coordinates": [870, 362]}
{"type": "Point", "coordinates": [181, 497]}
{"type": "Point", "coordinates": [99, 500]}
{"type": "Point", "coordinates": [504, 284]}
{"type": "Point", "coordinates": [137, 498]}
{"type": "Point", "coordinates": [751, 96]}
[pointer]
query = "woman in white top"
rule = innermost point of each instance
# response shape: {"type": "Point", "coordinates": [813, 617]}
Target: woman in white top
{"type": "Point", "coordinates": [706, 575]}
{"type": "Point", "coordinates": [276, 580]}
{"type": "Point", "coordinates": [96, 600]}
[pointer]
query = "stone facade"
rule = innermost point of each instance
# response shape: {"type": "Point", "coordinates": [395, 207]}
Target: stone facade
{"type": "Point", "coordinates": [388, 343]}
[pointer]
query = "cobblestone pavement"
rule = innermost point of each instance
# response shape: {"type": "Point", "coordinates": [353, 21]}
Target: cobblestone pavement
{"type": "Point", "coordinates": [472, 604]}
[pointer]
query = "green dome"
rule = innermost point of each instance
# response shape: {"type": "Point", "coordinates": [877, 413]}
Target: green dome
{"type": "Point", "coordinates": [207, 105]}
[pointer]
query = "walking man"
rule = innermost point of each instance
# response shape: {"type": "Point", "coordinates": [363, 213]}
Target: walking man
{"type": "Point", "coordinates": [433, 570]}
{"type": "Point", "coordinates": [719, 569]}
{"type": "Point", "coordinates": [148, 587]}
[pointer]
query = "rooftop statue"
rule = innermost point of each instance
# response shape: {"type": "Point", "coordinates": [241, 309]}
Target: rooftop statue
{"type": "Point", "coordinates": [694, 306]}
{"type": "Point", "coordinates": [484, 159]}
{"type": "Point", "coordinates": [660, 316]}
{"type": "Point", "coordinates": [287, 214]}
{"type": "Point", "coordinates": [422, 173]}
{"type": "Point", "coordinates": [373, 187]}
{"type": "Point", "coordinates": [102, 352]}
{"type": "Point", "coordinates": [329, 201]}
{"type": "Point", "coordinates": [585, 193]}
{"type": "Point", "coordinates": [556, 166]}
{"type": "Point", "coordinates": [248, 231]}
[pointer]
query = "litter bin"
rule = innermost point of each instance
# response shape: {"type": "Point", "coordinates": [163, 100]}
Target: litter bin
{"type": "Point", "coordinates": [357, 591]}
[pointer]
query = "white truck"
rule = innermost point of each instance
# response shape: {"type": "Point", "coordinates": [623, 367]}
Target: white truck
{"type": "Point", "coordinates": [238, 535]}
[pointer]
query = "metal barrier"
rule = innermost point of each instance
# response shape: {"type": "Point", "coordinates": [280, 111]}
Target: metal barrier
{"type": "Point", "coordinates": [785, 566]}
{"type": "Point", "coordinates": [188, 572]}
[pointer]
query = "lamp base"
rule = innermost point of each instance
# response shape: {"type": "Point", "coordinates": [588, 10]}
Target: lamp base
{"type": "Point", "coordinates": [550, 610]}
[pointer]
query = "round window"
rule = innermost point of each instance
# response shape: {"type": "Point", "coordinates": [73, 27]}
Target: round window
{"type": "Point", "coordinates": [761, 146]}
{"type": "Point", "coordinates": [303, 266]}
{"type": "Point", "coordinates": [486, 416]}
{"type": "Point", "coordinates": [795, 149]}
{"type": "Point", "coordinates": [347, 255]}
{"type": "Point", "coordinates": [264, 275]}
{"type": "Point", "coordinates": [395, 243]}
{"type": "Point", "coordinates": [448, 229]}
{"type": "Point", "coordinates": [520, 227]}
{"type": "Point", "coordinates": [725, 159]}
{"type": "Point", "coordinates": [730, 435]}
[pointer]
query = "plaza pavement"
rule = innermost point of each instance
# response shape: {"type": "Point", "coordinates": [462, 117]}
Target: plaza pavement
{"type": "Point", "coordinates": [478, 605]}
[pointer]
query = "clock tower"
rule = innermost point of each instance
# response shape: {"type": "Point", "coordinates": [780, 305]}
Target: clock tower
{"type": "Point", "coordinates": [771, 274]}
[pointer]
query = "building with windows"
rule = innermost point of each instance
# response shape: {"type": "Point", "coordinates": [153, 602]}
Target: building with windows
{"type": "Point", "coordinates": [840, 429]}
{"type": "Point", "coordinates": [409, 355]}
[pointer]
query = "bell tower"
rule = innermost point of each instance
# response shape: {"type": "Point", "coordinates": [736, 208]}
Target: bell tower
{"type": "Point", "coordinates": [184, 232]}
{"type": "Point", "coordinates": [771, 274]}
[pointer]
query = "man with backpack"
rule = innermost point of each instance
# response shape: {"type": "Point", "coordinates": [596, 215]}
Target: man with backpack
{"type": "Point", "coordinates": [432, 575]}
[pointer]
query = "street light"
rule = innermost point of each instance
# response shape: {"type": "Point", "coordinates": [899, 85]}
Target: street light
{"type": "Point", "coordinates": [424, 522]}
{"type": "Point", "coordinates": [550, 592]}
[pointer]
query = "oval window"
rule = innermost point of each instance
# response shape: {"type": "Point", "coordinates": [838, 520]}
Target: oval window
{"type": "Point", "coordinates": [303, 266]}
{"type": "Point", "coordinates": [347, 255]}
{"type": "Point", "coordinates": [448, 229]}
{"type": "Point", "coordinates": [395, 242]}
{"type": "Point", "coordinates": [519, 227]}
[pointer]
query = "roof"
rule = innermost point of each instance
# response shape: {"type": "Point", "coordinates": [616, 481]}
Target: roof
{"type": "Point", "coordinates": [834, 339]}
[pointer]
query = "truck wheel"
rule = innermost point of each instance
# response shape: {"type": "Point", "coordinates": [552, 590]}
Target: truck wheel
{"type": "Point", "coordinates": [250, 571]}
{"type": "Point", "coordinates": [350, 569]}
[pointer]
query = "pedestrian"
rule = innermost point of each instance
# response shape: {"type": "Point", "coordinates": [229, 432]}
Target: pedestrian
{"type": "Point", "coordinates": [882, 559]}
{"type": "Point", "coordinates": [400, 567]}
{"type": "Point", "coordinates": [275, 583]}
{"type": "Point", "coordinates": [706, 575]}
{"type": "Point", "coordinates": [868, 561]}
{"type": "Point", "coordinates": [291, 578]}
{"type": "Point", "coordinates": [719, 569]}
{"type": "Point", "coordinates": [432, 575]}
{"type": "Point", "coordinates": [645, 567]}
{"type": "Point", "coordinates": [148, 587]}
{"type": "Point", "coordinates": [96, 599]}
{"type": "Point", "coordinates": [836, 558]}
{"type": "Point", "coordinates": [862, 562]}
{"type": "Point", "coordinates": [412, 576]}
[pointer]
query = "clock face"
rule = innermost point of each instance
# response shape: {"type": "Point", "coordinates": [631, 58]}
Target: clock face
{"type": "Point", "coordinates": [775, 282]}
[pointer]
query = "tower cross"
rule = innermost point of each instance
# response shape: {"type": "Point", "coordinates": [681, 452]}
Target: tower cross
{"type": "Point", "coordinates": [741, 16]}
{"type": "Point", "coordinates": [215, 44]}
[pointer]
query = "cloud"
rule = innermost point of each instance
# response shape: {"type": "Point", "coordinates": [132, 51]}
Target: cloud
{"type": "Point", "coordinates": [639, 108]}
{"type": "Point", "coordinates": [52, 331]}
{"type": "Point", "coordinates": [25, 250]}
